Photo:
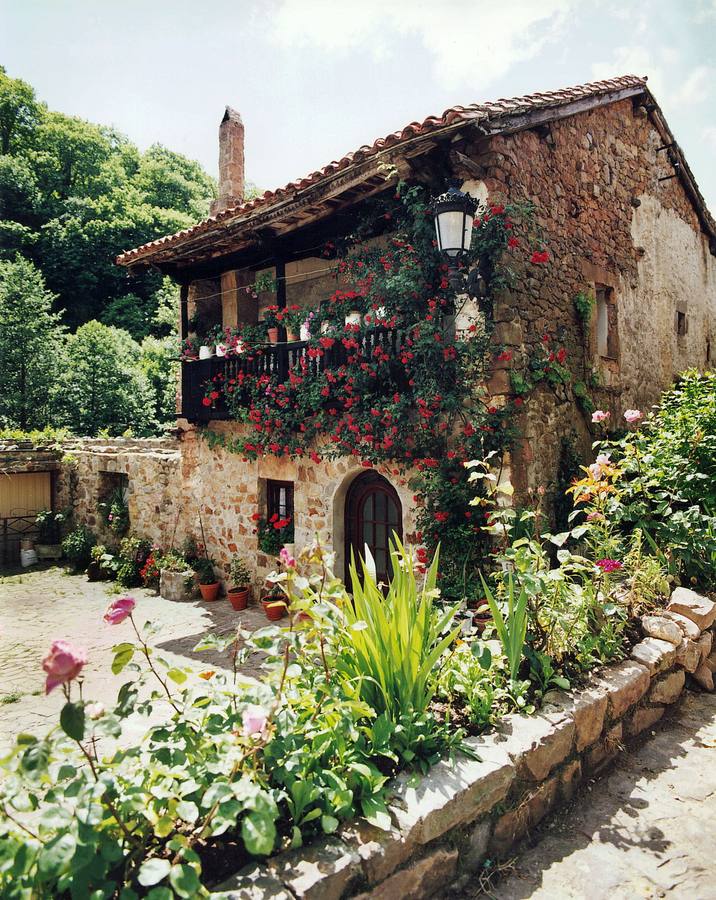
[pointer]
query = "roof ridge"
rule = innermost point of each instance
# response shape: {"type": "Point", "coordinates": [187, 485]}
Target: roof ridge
{"type": "Point", "coordinates": [449, 117]}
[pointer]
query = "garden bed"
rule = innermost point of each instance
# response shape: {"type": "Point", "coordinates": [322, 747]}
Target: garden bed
{"type": "Point", "coordinates": [466, 809]}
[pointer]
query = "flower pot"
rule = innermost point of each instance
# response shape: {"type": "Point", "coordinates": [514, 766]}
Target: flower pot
{"type": "Point", "coordinates": [272, 335]}
{"type": "Point", "coordinates": [305, 333]}
{"type": "Point", "coordinates": [48, 551]}
{"type": "Point", "coordinates": [353, 318]}
{"type": "Point", "coordinates": [238, 597]}
{"type": "Point", "coordinates": [221, 349]}
{"type": "Point", "coordinates": [205, 352]}
{"type": "Point", "coordinates": [274, 607]}
{"type": "Point", "coordinates": [480, 620]}
{"type": "Point", "coordinates": [209, 591]}
{"type": "Point", "coordinates": [176, 586]}
{"type": "Point", "coordinates": [291, 336]}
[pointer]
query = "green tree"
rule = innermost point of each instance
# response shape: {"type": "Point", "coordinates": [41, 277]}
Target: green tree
{"type": "Point", "coordinates": [19, 113]}
{"type": "Point", "coordinates": [30, 346]}
{"type": "Point", "coordinates": [171, 181]}
{"type": "Point", "coordinates": [103, 386]}
{"type": "Point", "coordinates": [158, 362]}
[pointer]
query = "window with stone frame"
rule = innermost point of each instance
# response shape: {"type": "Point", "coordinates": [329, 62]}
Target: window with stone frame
{"type": "Point", "coordinates": [607, 334]}
{"type": "Point", "coordinates": [279, 499]}
{"type": "Point", "coordinates": [682, 323]}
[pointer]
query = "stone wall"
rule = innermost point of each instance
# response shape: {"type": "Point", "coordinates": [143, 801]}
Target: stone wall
{"type": "Point", "coordinates": [176, 487]}
{"type": "Point", "coordinates": [607, 220]}
{"type": "Point", "coordinates": [467, 810]}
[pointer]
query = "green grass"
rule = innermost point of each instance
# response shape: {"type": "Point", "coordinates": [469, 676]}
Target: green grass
{"type": "Point", "coordinates": [10, 698]}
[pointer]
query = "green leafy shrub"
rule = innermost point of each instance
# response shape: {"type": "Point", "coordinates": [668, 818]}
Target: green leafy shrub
{"type": "Point", "coordinates": [77, 547]}
{"type": "Point", "coordinates": [584, 304]}
{"type": "Point", "coordinates": [250, 766]}
{"type": "Point", "coordinates": [49, 526]}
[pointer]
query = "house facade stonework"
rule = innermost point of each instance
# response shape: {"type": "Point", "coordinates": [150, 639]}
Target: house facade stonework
{"type": "Point", "coordinates": [623, 221]}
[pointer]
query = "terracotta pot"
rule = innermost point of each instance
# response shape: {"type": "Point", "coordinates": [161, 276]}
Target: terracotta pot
{"type": "Point", "coordinates": [272, 335]}
{"type": "Point", "coordinates": [274, 607]}
{"type": "Point", "coordinates": [481, 620]}
{"type": "Point", "coordinates": [238, 597]}
{"type": "Point", "coordinates": [291, 336]}
{"type": "Point", "coordinates": [209, 591]}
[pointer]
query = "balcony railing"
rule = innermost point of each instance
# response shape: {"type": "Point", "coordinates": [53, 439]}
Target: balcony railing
{"type": "Point", "coordinates": [276, 360]}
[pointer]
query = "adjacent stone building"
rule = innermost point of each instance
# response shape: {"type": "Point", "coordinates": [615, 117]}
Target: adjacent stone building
{"type": "Point", "coordinates": [624, 222]}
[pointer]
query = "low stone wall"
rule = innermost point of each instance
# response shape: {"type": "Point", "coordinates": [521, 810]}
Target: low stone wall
{"type": "Point", "coordinates": [466, 810]}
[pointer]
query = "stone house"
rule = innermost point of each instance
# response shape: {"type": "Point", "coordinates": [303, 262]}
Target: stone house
{"type": "Point", "coordinates": [624, 222]}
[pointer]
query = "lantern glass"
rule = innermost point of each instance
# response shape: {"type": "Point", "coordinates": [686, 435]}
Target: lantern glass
{"type": "Point", "coordinates": [453, 222]}
{"type": "Point", "coordinates": [450, 228]}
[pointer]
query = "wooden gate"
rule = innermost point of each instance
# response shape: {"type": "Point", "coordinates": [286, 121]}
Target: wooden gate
{"type": "Point", "coordinates": [22, 496]}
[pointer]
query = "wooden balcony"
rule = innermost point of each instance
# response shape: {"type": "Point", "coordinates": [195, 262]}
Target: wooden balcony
{"type": "Point", "coordinates": [276, 360]}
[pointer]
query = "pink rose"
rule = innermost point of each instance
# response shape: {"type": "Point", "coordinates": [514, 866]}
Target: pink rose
{"type": "Point", "coordinates": [118, 610]}
{"type": "Point", "coordinates": [286, 558]}
{"type": "Point", "coordinates": [599, 415]}
{"type": "Point", "coordinates": [254, 720]}
{"type": "Point", "coordinates": [633, 415]}
{"type": "Point", "coordinates": [63, 663]}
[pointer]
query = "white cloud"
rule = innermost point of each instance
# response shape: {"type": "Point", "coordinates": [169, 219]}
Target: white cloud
{"type": "Point", "coordinates": [668, 84]}
{"type": "Point", "coordinates": [469, 41]}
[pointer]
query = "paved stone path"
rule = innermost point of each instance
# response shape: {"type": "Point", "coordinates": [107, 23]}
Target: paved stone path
{"type": "Point", "coordinates": [644, 831]}
{"type": "Point", "coordinates": [40, 606]}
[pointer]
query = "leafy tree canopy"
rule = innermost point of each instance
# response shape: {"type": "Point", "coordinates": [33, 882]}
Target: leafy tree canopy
{"type": "Point", "coordinates": [74, 194]}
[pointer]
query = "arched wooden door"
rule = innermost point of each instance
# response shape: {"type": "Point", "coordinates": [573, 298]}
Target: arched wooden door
{"type": "Point", "coordinates": [373, 513]}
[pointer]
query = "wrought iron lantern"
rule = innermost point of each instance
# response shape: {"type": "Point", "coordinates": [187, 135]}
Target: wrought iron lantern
{"type": "Point", "coordinates": [454, 211]}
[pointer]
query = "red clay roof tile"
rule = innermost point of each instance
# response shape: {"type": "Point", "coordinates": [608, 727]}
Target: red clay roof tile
{"type": "Point", "coordinates": [451, 116]}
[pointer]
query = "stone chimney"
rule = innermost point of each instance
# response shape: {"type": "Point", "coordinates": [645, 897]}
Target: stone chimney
{"type": "Point", "coordinates": [231, 162]}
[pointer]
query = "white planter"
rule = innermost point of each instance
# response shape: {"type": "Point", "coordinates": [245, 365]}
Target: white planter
{"type": "Point", "coordinates": [221, 349]}
{"type": "Point", "coordinates": [176, 586]}
{"type": "Point", "coordinates": [305, 333]}
{"type": "Point", "coordinates": [353, 318]}
{"type": "Point", "coordinates": [205, 352]}
{"type": "Point", "coordinates": [325, 327]}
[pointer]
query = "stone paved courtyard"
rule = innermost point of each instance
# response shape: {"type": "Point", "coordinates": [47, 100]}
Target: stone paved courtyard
{"type": "Point", "coordinates": [643, 831]}
{"type": "Point", "coordinates": [40, 606]}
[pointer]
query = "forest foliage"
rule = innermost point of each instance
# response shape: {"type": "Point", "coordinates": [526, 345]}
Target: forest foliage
{"type": "Point", "coordinates": [73, 195]}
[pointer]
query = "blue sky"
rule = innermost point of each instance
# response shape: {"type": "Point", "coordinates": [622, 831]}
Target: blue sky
{"type": "Point", "coordinates": [315, 79]}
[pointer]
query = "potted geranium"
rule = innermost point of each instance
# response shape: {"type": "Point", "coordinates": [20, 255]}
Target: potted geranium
{"type": "Point", "coordinates": [273, 316]}
{"type": "Point", "coordinates": [206, 576]}
{"type": "Point", "coordinates": [238, 594]}
{"type": "Point", "coordinates": [274, 603]}
{"type": "Point", "coordinates": [49, 525]}
{"type": "Point", "coordinates": [274, 533]}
